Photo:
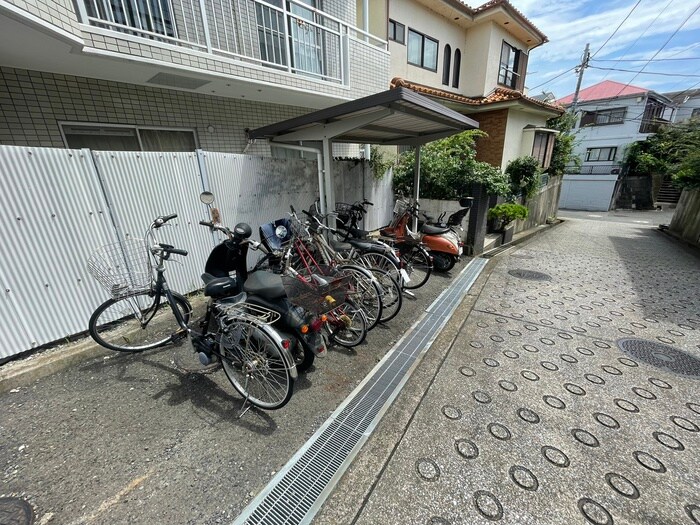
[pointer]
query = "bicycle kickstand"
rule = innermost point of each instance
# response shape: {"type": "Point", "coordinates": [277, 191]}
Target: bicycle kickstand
{"type": "Point", "coordinates": [246, 405]}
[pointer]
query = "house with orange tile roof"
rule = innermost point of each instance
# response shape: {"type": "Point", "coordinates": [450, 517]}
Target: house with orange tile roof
{"type": "Point", "coordinates": [611, 116]}
{"type": "Point", "coordinates": [474, 60]}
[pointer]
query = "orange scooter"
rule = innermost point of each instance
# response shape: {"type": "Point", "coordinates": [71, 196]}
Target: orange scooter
{"type": "Point", "coordinates": [444, 244]}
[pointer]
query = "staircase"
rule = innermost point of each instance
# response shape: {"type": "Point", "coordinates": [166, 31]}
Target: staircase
{"type": "Point", "coordinates": [668, 193]}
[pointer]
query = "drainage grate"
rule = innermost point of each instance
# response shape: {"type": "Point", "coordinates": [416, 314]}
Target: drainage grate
{"type": "Point", "coordinates": [16, 511]}
{"type": "Point", "coordinates": [300, 488]}
{"type": "Point", "coordinates": [496, 251]}
{"type": "Point", "coordinates": [661, 356]}
{"type": "Point", "coordinates": [530, 275]}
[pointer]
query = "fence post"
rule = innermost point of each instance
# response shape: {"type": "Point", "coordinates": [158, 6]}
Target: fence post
{"type": "Point", "coordinates": [108, 198]}
{"type": "Point", "coordinates": [205, 25]}
{"type": "Point", "coordinates": [204, 176]}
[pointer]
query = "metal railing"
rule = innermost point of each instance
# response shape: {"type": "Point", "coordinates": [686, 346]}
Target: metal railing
{"type": "Point", "coordinates": [288, 35]}
{"type": "Point", "coordinates": [594, 169]}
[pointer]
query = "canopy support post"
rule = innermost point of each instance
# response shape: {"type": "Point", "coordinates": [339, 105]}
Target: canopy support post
{"type": "Point", "coordinates": [416, 185]}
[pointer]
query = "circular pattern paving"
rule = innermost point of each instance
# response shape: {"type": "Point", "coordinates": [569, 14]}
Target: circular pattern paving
{"type": "Point", "coordinates": [523, 478]}
{"type": "Point", "coordinates": [574, 389]}
{"type": "Point", "coordinates": [554, 402]}
{"type": "Point", "coordinates": [428, 469]}
{"type": "Point", "coordinates": [555, 456]}
{"type": "Point", "coordinates": [661, 356]}
{"type": "Point", "coordinates": [667, 440]}
{"type": "Point", "coordinates": [584, 437]}
{"type": "Point", "coordinates": [648, 461]}
{"type": "Point", "coordinates": [499, 431]}
{"type": "Point", "coordinates": [627, 406]}
{"type": "Point", "coordinates": [508, 386]}
{"type": "Point", "coordinates": [606, 420]}
{"type": "Point", "coordinates": [488, 505]}
{"type": "Point", "coordinates": [451, 412]}
{"type": "Point", "coordinates": [530, 416]}
{"type": "Point", "coordinates": [622, 485]}
{"type": "Point", "coordinates": [684, 423]}
{"type": "Point", "coordinates": [594, 512]}
{"type": "Point", "coordinates": [16, 511]}
{"type": "Point", "coordinates": [481, 397]}
{"type": "Point", "coordinates": [467, 449]}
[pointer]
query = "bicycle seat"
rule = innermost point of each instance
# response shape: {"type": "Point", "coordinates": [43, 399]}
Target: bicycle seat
{"type": "Point", "coordinates": [265, 284]}
{"type": "Point", "coordinates": [357, 233]}
{"type": "Point", "coordinates": [218, 286]}
{"type": "Point", "coordinates": [433, 230]}
{"type": "Point", "coordinates": [340, 246]}
{"type": "Point", "coordinates": [363, 245]}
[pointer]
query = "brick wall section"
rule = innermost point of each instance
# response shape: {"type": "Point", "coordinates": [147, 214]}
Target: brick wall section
{"type": "Point", "coordinates": [490, 149]}
{"type": "Point", "coordinates": [32, 104]}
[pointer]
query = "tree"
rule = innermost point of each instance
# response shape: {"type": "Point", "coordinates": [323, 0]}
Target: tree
{"type": "Point", "coordinates": [674, 150]}
{"type": "Point", "coordinates": [449, 168]}
{"type": "Point", "coordinates": [562, 154]}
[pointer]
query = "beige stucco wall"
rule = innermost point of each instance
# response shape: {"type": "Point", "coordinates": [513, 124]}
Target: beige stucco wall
{"type": "Point", "coordinates": [686, 220]}
{"type": "Point", "coordinates": [516, 142]}
{"type": "Point", "coordinates": [431, 24]}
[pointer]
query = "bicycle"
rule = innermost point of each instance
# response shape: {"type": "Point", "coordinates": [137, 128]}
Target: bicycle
{"type": "Point", "coordinates": [144, 313]}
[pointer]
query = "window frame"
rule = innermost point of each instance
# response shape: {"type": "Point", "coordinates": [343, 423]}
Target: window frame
{"type": "Point", "coordinates": [544, 156]}
{"type": "Point", "coordinates": [446, 64]}
{"type": "Point", "coordinates": [505, 67]}
{"type": "Point", "coordinates": [423, 37]}
{"type": "Point", "coordinates": [596, 115]}
{"type": "Point", "coordinates": [456, 68]}
{"type": "Point", "coordinates": [393, 26]}
{"type": "Point", "coordinates": [63, 124]}
{"type": "Point", "coordinates": [612, 153]}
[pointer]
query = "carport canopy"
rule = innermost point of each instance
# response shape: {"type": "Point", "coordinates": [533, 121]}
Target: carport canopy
{"type": "Point", "coordinates": [393, 117]}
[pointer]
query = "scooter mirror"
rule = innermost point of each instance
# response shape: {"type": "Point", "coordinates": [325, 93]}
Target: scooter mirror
{"type": "Point", "coordinates": [206, 197]}
{"type": "Point", "coordinates": [281, 231]}
{"type": "Point", "coordinates": [466, 202]}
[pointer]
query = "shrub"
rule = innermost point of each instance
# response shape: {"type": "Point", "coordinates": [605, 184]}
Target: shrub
{"type": "Point", "coordinates": [508, 212]}
{"type": "Point", "coordinates": [524, 173]}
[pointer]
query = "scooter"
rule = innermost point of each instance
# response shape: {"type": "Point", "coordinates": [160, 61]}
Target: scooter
{"type": "Point", "coordinates": [444, 253]}
{"type": "Point", "coordinates": [444, 244]}
{"type": "Point", "coordinates": [263, 288]}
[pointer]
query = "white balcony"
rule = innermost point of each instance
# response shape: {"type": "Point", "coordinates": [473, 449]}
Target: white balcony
{"type": "Point", "coordinates": [285, 35]}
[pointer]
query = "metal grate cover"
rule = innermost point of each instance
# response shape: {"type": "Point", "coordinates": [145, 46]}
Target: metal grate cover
{"type": "Point", "coordinates": [300, 488]}
{"type": "Point", "coordinates": [530, 275]}
{"type": "Point", "coordinates": [661, 356]}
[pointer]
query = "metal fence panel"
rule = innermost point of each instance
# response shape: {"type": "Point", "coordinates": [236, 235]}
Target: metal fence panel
{"type": "Point", "coordinates": [257, 190]}
{"type": "Point", "coordinates": [53, 216]}
{"type": "Point", "coordinates": [141, 186]}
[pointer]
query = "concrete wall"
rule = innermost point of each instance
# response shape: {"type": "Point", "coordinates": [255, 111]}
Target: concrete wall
{"type": "Point", "coordinates": [516, 142]}
{"type": "Point", "coordinates": [587, 192]}
{"type": "Point", "coordinates": [686, 219]}
{"type": "Point", "coordinates": [542, 206]}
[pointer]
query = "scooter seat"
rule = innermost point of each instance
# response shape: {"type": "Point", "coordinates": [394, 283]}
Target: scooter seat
{"type": "Point", "coordinates": [340, 246]}
{"type": "Point", "coordinates": [433, 230]}
{"type": "Point", "coordinates": [265, 284]}
{"type": "Point", "coordinates": [218, 286]}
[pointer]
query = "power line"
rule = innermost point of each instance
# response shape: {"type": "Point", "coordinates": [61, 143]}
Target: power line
{"type": "Point", "coordinates": [554, 78]}
{"type": "Point", "coordinates": [617, 28]}
{"type": "Point", "coordinates": [644, 72]}
{"type": "Point", "coordinates": [642, 59]}
{"type": "Point", "coordinates": [663, 46]}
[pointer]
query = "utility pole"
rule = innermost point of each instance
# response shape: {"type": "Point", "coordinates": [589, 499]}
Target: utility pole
{"type": "Point", "coordinates": [580, 69]}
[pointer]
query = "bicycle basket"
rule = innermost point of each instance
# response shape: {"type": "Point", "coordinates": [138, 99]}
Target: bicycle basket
{"type": "Point", "coordinates": [317, 292]}
{"type": "Point", "coordinates": [400, 206]}
{"type": "Point", "coordinates": [122, 268]}
{"type": "Point", "coordinates": [299, 229]}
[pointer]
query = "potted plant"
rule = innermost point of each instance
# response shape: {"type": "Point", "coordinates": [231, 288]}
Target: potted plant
{"type": "Point", "coordinates": [505, 214]}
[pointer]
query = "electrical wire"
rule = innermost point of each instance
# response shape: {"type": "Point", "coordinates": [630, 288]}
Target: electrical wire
{"type": "Point", "coordinates": [617, 28]}
{"type": "Point", "coordinates": [553, 78]}
{"type": "Point", "coordinates": [641, 59]}
{"type": "Point", "coordinates": [644, 72]}
{"type": "Point", "coordinates": [662, 47]}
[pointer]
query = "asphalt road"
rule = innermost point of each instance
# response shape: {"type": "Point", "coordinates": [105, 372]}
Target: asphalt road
{"type": "Point", "coordinates": [641, 217]}
{"type": "Point", "coordinates": [134, 439]}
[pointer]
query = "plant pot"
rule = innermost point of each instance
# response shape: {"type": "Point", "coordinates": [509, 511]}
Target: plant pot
{"type": "Point", "coordinates": [508, 233]}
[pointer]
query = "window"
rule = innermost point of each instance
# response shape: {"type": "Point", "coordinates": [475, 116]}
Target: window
{"type": "Point", "coordinates": [422, 50]}
{"type": "Point", "coordinates": [600, 154]}
{"type": "Point", "coordinates": [542, 147]}
{"type": "Point", "coordinates": [653, 117]}
{"type": "Point", "coordinates": [603, 117]}
{"type": "Point", "coordinates": [696, 113]}
{"type": "Point", "coordinates": [455, 73]}
{"type": "Point", "coordinates": [509, 72]}
{"type": "Point", "coordinates": [447, 57]}
{"type": "Point", "coordinates": [127, 138]}
{"type": "Point", "coordinates": [397, 32]}
{"type": "Point", "coordinates": [154, 16]}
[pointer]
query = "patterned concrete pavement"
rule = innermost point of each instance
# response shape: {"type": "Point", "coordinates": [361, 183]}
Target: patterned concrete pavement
{"type": "Point", "coordinates": [570, 396]}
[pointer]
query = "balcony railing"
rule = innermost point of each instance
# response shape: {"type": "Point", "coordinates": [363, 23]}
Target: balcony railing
{"type": "Point", "coordinates": [288, 35]}
{"type": "Point", "coordinates": [594, 169]}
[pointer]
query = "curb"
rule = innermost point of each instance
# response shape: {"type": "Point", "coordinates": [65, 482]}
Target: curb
{"type": "Point", "coordinates": [23, 372]}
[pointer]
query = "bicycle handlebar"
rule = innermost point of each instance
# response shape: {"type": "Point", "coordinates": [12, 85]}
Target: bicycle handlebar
{"type": "Point", "coordinates": [160, 221]}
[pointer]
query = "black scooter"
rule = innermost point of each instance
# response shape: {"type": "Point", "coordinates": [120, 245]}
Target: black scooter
{"type": "Point", "coordinates": [302, 330]}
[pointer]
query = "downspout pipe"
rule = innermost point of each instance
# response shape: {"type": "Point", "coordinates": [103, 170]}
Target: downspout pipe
{"type": "Point", "coordinates": [319, 162]}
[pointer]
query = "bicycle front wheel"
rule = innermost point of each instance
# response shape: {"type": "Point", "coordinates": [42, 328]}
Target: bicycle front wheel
{"type": "Point", "coordinates": [137, 322]}
{"type": "Point", "coordinates": [416, 262]}
{"type": "Point", "coordinates": [366, 293]}
{"type": "Point", "coordinates": [255, 366]}
{"type": "Point", "coordinates": [392, 296]}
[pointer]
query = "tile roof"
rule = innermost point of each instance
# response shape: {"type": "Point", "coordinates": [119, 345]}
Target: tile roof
{"type": "Point", "coordinates": [604, 90]}
{"type": "Point", "coordinates": [497, 95]}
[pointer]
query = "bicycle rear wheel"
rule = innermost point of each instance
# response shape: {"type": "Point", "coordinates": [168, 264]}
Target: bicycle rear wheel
{"type": "Point", "coordinates": [366, 293]}
{"type": "Point", "coordinates": [381, 261]}
{"type": "Point", "coordinates": [136, 323]}
{"type": "Point", "coordinates": [392, 297]}
{"type": "Point", "coordinates": [254, 365]}
{"type": "Point", "coordinates": [347, 325]}
{"type": "Point", "coordinates": [416, 262]}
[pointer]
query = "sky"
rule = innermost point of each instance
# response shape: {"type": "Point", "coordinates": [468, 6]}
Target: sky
{"type": "Point", "coordinates": [648, 30]}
